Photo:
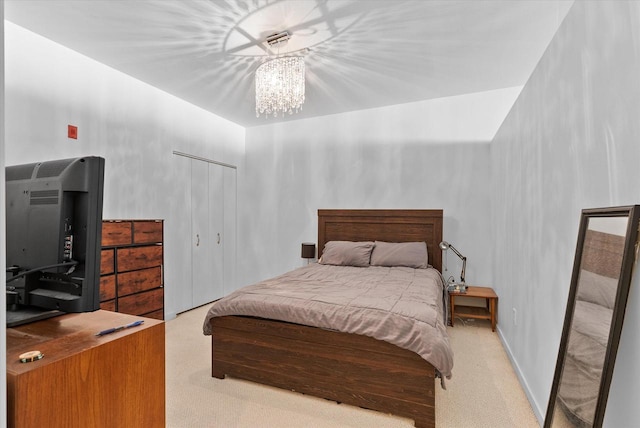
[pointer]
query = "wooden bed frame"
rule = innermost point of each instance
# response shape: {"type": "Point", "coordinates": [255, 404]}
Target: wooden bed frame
{"type": "Point", "coordinates": [348, 368]}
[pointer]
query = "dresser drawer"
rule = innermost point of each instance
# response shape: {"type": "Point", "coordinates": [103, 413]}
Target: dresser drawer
{"type": "Point", "coordinates": [116, 233]}
{"type": "Point", "coordinates": [109, 305]}
{"type": "Point", "coordinates": [158, 315]}
{"type": "Point", "coordinates": [107, 287]}
{"type": "Point", "coordinates": [139, 280]}
{"type": "Point", "coordinates": [138, 257]}
{"type": "Point", "coordinates": [147, 232]}
{"type": "Point", "coordinates": [142, 303]}
{"type": "Point", "coordinates": [106, 262]}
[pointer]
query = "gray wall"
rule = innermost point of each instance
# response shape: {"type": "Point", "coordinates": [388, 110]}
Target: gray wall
{"type": "Point", "coordinates": [570, 142]}
{"type": "Point", "coordinates": [134, 126]}
{"type": "Point", "coordinates": [431, 154]}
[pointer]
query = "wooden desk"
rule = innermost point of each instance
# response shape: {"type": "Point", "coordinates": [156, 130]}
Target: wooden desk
{"type": "Point", "coordinates": [85, 380]}
{"type": "Point", "coordinates": [486, 313]}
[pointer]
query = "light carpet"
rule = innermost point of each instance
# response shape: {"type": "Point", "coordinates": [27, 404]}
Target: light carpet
{"type": "Point", "coordinates": [484, 390]}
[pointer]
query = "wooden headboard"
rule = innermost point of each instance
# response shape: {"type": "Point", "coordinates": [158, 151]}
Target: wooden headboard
{"type": "Point", "coordinates": [602, 253]}
{"type": "Point", "coordinates": [383, 225]}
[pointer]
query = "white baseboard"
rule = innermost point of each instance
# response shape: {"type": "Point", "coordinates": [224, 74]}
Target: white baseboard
{"type": "Point", "coordinates": [535, 406]}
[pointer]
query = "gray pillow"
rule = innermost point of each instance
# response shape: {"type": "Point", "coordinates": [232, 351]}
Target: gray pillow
{"type": "Point", "coordinates": [409, 254]}
{"type": "Point", "coordinates": [347, 253]}
{"type": "Point", "coordinates": [597, 289]}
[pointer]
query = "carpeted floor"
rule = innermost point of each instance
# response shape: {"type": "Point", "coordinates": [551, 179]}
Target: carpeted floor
{"type": "Point", "coordinates": [484, 390]}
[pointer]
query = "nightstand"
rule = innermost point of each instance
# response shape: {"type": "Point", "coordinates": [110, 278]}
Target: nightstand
{"type": "Point", "coordinates": [486, 313]}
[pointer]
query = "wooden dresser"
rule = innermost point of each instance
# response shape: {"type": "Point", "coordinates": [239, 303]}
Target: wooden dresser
{"type": "Point", "coordinates": [132, 280]}
{"type": "Point", "coordinates": [84, 380]}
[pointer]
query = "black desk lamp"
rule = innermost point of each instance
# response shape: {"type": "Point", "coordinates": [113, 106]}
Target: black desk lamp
{"type": "Point", "coordinates": [444, 246]}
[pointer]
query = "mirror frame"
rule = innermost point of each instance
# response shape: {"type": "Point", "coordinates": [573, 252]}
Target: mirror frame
{"type": "Point", "coordinates": [624, 282]}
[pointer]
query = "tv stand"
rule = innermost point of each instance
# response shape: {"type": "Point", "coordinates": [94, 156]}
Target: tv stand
{"type": "Point", "coordinates": [84, 380]}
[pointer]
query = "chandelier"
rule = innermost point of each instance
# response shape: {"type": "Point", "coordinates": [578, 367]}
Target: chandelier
{"type": "Point", "coordinates": [280, 82]}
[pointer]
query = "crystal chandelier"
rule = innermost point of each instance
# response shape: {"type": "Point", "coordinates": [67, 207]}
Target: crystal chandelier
{"type": "Point", "coordinates": [280, 83]}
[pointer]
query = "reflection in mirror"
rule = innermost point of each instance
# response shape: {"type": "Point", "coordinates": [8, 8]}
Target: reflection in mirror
{"type": "Point", "coordinates": [589, 332]}
{"type": "Point", "coordinates": [605, 255]}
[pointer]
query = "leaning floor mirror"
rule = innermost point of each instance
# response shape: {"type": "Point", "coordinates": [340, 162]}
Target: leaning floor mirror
{"type": "Point", "coordinates": [602, 270]}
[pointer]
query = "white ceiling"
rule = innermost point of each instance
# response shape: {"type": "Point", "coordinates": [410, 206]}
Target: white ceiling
{"type": "Point", "coordinates": [359, 53]}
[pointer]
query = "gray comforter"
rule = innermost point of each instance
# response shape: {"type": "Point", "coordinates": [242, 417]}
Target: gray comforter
{"type": "Point", "coordinates": [587, 347]}
{"type": "Point", "coordinates": [399, 305]}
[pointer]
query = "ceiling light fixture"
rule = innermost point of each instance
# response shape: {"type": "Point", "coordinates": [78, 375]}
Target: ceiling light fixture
{"type": "Point", "coordinates": [280, 82]}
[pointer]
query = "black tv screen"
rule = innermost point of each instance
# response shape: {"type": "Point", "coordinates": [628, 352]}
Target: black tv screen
{"type": "Point", "coordinates": [53, 230]}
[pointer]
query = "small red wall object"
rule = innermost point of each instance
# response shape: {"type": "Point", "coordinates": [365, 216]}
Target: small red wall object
{"type": "Point", "coordinates": [72, 132]}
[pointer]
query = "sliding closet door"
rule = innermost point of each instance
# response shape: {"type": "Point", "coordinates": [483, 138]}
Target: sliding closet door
{"type": "Point", "coordinates": [208, 252]}
{"type": "Point", "coordinates": [229, 256]}
{"type": "Point", "coordinates": [215, 289]}
{"type": "Point", "coordinates": [181, 227]}
{"type": "Point", "coordinates": [207, 217]}
{"type": "Point", "coordinates": [200, 241]}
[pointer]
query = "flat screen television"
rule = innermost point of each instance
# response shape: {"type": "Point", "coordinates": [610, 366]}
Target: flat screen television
{"type": "Point", "coordinates": [54, 234]}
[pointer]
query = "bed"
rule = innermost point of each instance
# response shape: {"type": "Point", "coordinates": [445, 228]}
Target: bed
{"type": "Point", "coordinates": [351, 368]}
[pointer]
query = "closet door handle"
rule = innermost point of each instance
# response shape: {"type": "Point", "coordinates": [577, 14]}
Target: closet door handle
{"type": "Point", "coordinates": [218, 238]}
{"type": "Point", "coordinates": [197, 240]}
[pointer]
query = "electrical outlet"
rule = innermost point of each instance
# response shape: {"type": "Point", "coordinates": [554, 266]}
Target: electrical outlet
{"type": "Point", "coordinates": [515, 316]}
